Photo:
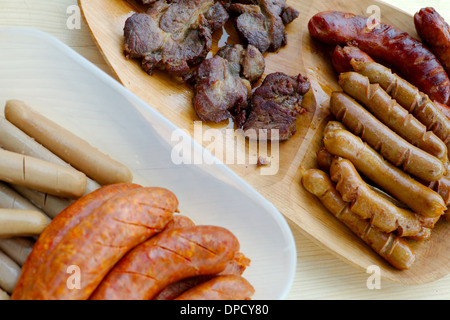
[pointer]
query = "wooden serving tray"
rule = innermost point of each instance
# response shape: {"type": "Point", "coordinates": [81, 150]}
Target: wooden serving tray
{"type": "Point", "coordinates": [173, 100]}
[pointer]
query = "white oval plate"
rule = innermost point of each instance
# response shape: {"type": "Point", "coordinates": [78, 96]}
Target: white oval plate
{"type": "Point", "coordinates": [62, 85]}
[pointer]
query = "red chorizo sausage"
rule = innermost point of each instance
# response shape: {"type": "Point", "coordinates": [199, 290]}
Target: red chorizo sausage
{"type": "Point", "coordinates": [435, 34]}
{"type": "Point", "coordinates": [99, 240]}
{"type": "Point", "coordinates": [226, 287]}
{"type": "Point", "coordinates": [59, 226]}
{"type": "Point", "coordinates": [388, 44]}
{"type": "Point", "coordinates": [166, 258]}
{"type": "Point", "coordinates": [342, 57]}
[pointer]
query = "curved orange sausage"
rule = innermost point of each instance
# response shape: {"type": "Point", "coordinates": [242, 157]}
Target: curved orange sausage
{"type": "Point", "coordinates": [100, 240]}
{"type": "Point", "coordinates": [385, 43]}
{"type": "Point", "coordinates": [392, 248]}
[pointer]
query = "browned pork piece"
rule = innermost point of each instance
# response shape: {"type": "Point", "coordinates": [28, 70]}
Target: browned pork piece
{"type": "Point", "coordinates": [248, 63]}
{"type": "Point", "coordinates": [275, 105]}
{"type": "Point", "coordinates": [222, 85]}
{"type": "Point", "coordinates": [262, 22]}
{"type": "Point", "coordinates": [173, 35]}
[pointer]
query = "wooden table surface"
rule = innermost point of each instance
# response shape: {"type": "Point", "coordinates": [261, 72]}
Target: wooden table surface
{"type": "Point", "coordinates": [320, 275]}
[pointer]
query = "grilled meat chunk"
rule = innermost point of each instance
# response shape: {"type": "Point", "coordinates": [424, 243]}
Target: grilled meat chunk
{"type": "Point", "coordinates": [275, 105]}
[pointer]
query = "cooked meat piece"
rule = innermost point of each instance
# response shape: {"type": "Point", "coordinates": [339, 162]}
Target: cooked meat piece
{"type": "Point", "coordinates": [276, 104]}
{"type": "Point", "coordinates": [262, 22]}
{"type": "Point", "coordinates": [222, 86]}
{"type": "Point", "coordinates": [148, 1]}
{"type": "Point", "coordinates": [173, 35]}
{"type": "Point", "coordinates": [218, 94]}
{"type": "Point", "coordinates": [248, 63]}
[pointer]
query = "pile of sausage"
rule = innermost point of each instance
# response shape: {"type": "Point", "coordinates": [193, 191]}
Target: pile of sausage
{"type": "Point", "coordinates": [125, 242]}
{"type": "Point", "coordinates": [100, 236]}
{"type": "Point", "coordinates": [383, 169]}
{"type": "Point", "coordinates": [423, 63]}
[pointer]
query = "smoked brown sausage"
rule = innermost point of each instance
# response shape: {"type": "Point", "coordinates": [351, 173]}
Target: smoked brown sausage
{"type": "Point", "coordinates": [22, 223]}
{"type": "Point", "coordinates": [225, 287]}
{"type": "Point", "coordinates": [409, 97]}
{"type": "Point", "coordinates": [15, 140]}
{"type": "Point", "coordinates": [385, 43]}
{"type": "Point", "coordinates": [4, 295]}
{"type": "Point", "coordinates": [391, 146]}
{"type": "Point", "coordinates": [386, 109]}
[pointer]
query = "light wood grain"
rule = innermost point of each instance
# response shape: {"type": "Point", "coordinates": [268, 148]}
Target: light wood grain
{"type": "Point", "coordinates": [320, 274]}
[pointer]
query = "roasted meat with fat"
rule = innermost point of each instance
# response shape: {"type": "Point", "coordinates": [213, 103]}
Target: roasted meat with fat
{"type": "Point", "coordinates": [262, 22]}
{"type": "Point", "coordinates": [275, 105]}
{"type": "Point", "coordinates": [173, 35]}
{"type": "Point", "coordinates": [222, 85]}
